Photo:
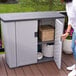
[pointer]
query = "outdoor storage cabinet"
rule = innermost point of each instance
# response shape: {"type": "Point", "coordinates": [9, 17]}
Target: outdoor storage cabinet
{"type": "Point", "coordinates": [20, 33]}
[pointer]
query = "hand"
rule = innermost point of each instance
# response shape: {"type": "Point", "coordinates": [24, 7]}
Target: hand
{"type": "Point", "coordinates": [64, 36]}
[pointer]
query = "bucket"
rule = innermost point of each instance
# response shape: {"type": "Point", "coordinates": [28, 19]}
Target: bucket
{"type": "Point", "coordinates": [47, 50]}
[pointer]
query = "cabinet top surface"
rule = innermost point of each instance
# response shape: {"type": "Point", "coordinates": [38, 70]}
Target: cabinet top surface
{"type": "Point", "coordinates": [30, 16]}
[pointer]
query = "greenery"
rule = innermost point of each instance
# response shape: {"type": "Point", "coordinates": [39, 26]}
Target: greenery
{"type": "Point", "coordinates": [57, 5]}
{"type": "Point", "coordinates": [32, 5]}
{"type": "Point", "coordinates": [70, 34]}
{"type": "Point", "coordinates": [69, 37]}
{"type": "Point", "coordinates": [2, 53]}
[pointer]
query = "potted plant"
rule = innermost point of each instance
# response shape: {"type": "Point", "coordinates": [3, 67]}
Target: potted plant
{"type": "Point", "coordinates": [68, 41]}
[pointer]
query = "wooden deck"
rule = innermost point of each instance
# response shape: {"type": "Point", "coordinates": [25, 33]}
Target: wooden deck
{"type": "Point", "coordinates": [41, 69]}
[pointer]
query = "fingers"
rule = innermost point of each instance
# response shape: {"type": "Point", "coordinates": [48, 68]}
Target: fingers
{"type": "Point", "coordinates": [63, 37]}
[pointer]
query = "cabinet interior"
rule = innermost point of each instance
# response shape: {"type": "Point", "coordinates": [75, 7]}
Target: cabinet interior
{"type": "Point", "coordinates": [51, 23]}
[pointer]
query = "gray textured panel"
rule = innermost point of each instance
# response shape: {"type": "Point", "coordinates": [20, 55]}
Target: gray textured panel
{"type": "Point", "coordinates": [31, 16]}
{"type": "Point", "coordinates": [26, 42]}
{"type": "Point", "coordinates": [58, 44]}
{"type": "Point", "coordinates": [8, 32]}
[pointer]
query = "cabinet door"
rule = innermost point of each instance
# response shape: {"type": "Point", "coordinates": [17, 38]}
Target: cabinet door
{"type": "Point", "coordinates": [26, 42]}
{"type": "Point", "coordinates": [8, 33]}
{"type": "Point", "coordinates": [59, 23]}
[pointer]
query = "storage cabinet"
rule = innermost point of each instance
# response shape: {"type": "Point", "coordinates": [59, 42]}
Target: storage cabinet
{"type": "Point", "coordinates": [20, 33]}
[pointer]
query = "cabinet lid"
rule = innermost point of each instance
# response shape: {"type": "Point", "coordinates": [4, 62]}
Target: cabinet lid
{"type": "Point", "coordinates": [30, 16]}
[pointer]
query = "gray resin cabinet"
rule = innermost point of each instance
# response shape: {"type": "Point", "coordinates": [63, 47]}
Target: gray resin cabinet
{"type": "Point", "coordinates": [20, 36]}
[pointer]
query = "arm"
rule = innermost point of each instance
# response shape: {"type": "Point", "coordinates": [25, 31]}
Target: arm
{"type": "Point", "coordinates": [69, 14]}
{"type": "Point", "coordinates": [64, 36]}
{"type": "Point", "coordinates": [68, 28]}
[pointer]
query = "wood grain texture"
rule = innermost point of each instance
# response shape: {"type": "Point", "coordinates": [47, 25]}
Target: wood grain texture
{"type": "Point", "coordinates": [41, 69]}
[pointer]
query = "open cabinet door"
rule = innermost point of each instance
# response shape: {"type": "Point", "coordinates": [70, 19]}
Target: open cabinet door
{"type": "Point", "coordinates": [59, 23]}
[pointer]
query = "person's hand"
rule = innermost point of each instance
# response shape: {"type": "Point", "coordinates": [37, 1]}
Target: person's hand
{"type": "Point", "coordinates": [64, 36]}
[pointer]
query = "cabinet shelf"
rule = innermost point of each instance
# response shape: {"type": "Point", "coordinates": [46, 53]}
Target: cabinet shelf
{"type": "Point", "coordinates": [46, 42]}
{"type": "Point", "coordinates": [45, 59]}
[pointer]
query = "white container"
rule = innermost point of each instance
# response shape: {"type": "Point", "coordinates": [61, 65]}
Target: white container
{"type": "Point", "coordinates": [47, 50]}
{"type": "Point", "coordinates": [67, 46]}
{"type": "Point", "coordinates": [39, 55]}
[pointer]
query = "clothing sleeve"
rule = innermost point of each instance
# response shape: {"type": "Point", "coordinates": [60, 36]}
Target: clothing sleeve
{"type": "Point", "coordinates": [69, 21]}
{"type": "Point", "coordinates": [70, 13]}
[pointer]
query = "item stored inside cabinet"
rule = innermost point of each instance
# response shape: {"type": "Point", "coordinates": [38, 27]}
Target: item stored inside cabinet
{"type": "Point", "coordinates": [46, 33]}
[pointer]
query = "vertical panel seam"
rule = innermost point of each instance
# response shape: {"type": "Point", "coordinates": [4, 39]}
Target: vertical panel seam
{"type": "Point", "coordinates": [15, 44]}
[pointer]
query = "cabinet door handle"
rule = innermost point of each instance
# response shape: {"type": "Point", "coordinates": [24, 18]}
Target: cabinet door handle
{"type": "Point", "coordinates": [35, 34]}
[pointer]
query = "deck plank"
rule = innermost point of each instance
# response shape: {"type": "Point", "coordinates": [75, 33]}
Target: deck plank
{"type": "Point", "coordinates": [46, 69]}
{"type": "Point", "coordinates": [67, 59]}
{"type": "Point", "coordinates": [56, 71]}
{"type": "Point", "coordinates": [28, 71]}
{"type": "Point", "coordinates": [64, 66]}
{"type": "Point", "coordinates": [10, 72]}
{"type": "Point", "coordinates": [40, 69]}
{"type": "Point", "coordinates": [2, 68]}
{"type": "Point", "coordinates": [19, 71]}
{"type": "Point", "coordinates": [35, 70]}
{"type": "Point", "coordinates": [51, 69]}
